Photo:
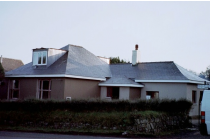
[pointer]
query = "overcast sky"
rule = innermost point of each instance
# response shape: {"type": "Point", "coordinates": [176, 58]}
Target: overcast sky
{"type": "Point", "coordinates": [164, 31]}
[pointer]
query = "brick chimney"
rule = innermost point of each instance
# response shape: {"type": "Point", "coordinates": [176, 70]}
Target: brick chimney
{"type": "Point", "coordinates": [135, 55]}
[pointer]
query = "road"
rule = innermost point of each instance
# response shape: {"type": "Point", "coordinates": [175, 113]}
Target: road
{"type": "Point", "coordinates": [29, 135]}
{"type": "Point", "coordinates": [185, 134]}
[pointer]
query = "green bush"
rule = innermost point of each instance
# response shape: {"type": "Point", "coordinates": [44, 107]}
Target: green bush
{"type": "Point", "coordinates": [169, 106]}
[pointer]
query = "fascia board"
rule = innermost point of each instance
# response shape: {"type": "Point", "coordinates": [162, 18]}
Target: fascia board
{"type": "Point", "coordinates": [120, 85]}
{"type": "Point", "coordinates": [58, 75]}
{"type": "Point", "coordinates": [170, 81]}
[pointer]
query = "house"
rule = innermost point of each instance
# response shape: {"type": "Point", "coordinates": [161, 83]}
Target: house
{"type": "Point", "coordinates": [73, 72]}
{"type": "Point", "coordinates": [7, 64]}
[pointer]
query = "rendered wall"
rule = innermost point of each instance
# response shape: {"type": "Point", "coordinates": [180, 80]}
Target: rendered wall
{"type": "Point", "coordinates": [195, 107]}
{"type": "Point", "coordinates": [103, 93]}
{"type": "Point", "coordinates": [166, 90]}
{"type": "Point", "coordinates": [124, 93]}
{"type": "Point", "coordinates": [57, 89]}
{"type": "Point", "coordinates": [81, 89]}
{"type": "Point", "coordinates": [135, 93]}
{"type": "Point", "coordinates": [28, 88]}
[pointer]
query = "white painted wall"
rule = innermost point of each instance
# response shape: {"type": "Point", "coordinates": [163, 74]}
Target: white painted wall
{"type": "Point", "coordinates": [124, 93]}
{"type": "Point", "coordinates": [174, 91]}
{"type": "Point", "coordinates": [103, 93]}
{"type": "Point", "coordinates": [135, 57]}
{"type": "Point", "coordinates": [195, 107]}
{"type": "Point", "coordinates": [166, 90]}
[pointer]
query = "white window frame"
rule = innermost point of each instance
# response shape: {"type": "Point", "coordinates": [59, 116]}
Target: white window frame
{"type": "Point", "coordinates": [36, 57]}
{"type": "Point", "coordinates": [13, 88]}
{"type": "Point", "coordinates": [40, 89]}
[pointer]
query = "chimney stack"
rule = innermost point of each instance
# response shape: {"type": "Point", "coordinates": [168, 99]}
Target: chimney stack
{"type": "Point", "coordinates": [135, 55]}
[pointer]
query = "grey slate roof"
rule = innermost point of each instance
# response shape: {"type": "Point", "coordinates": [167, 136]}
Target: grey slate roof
{"type": "Point", "coordinates": [77, 61]}
{"type": "Point", "coordinates": [150, 71]}
{"type": "Point", "coordinates": [120, 80]}
{"type": "Point", "coordinates": [11, 64]}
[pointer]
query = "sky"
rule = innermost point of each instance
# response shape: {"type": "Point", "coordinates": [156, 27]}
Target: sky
{"type": "Point", "coordinates": [165, 31]}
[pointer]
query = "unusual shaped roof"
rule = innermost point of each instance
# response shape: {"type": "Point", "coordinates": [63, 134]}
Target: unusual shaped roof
{"type": "Point", "coordinates": [77, 62]}
{"type": "Point", "coordinates": [152, 72]}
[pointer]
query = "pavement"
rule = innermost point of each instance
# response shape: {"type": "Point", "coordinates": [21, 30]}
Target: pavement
{"type": "Point", "coordinates": [33, 135]}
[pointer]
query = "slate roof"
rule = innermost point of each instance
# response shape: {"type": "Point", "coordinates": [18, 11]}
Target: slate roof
{"type": "Point", "coordinates": [76, 61]}
{"type": "Point", "coordinates": [11, 64]}
{"type": "Point", "coordinates": [150, 71]}
{"type": "Point", "coordinates": [120, 80]}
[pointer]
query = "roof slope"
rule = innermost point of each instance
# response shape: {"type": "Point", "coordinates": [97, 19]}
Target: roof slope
{"type": "Point", "coordinates": [11, 64]}
{"type": "Point", "coordinates": [77, 61]}
{"type": "Point", "coordinates": [120, 81]}
{"type": "Point", "coordinates": [81, 62]}
{"type": "Point", "coordinates": [166, 71]}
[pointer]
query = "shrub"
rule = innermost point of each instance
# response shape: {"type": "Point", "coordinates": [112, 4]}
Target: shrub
{"type": "Point", "coordinates": [170, 106]}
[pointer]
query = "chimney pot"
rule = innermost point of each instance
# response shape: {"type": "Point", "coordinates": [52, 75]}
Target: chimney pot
{"type": "Point", "coordinates": [136, 46]}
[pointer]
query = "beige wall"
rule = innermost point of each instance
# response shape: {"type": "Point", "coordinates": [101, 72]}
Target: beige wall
{"type": "Point", "coordinates": [81, 89]}
{"type": "Point", "coordinates": [135, 93]}
{"type": "Point", "coordinates": [28, 88]}
{"type": "Point", "coordinates": [124, 93]}
{"type": "Point", "coordinates": [57, 89]}
{"type": "Point", "coordinates": [166, 90]}
{"type": "Point", "coordinates": [103, 93]}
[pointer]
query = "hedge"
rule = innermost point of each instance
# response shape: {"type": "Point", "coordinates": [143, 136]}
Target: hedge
{"type": "Point", "coordinates": [165, 105]}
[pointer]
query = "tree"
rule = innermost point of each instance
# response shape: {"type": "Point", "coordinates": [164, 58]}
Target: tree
{"type": "Point", "coordinates": [115, 60]}
{"type": "Point", "coordinates": [1, 71]}
{"type": "Point", "coordinates": [205, 74]}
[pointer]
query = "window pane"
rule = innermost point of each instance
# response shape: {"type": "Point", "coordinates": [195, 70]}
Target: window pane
{"type": "Point", "coordinates": [39, 58]}
{"type": "Point", "coordinates": [115, 93]}
{"type": "Point", "coordinates": [152, 95]}
{"type": "Point", "coordinates": [40, 85]}
{"type": "Point", "coordinates": [16, 84]}
{"type": "Point", "coordinates": [45, 95]}
{"type": "Point", "coordinates": [44, 57]}
{"type": "Point", "coordinates": [194, 96]}
{"type": "Point", "coordinates": [45, 85]}
{"type": "Point", "coordinates": [40, 95]}
{"type": "Point", "coordinates": [15, 93]}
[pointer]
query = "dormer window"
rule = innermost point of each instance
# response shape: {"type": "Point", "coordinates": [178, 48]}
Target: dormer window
{"type": "Point", "coordinates": [40, 58]}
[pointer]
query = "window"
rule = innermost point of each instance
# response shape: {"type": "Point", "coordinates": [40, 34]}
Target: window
{"type": "Point", "coordinates": [113, 92]}
{"type": "Point", "coordinates": [40, 58]}
{"type": "Point", "coordinates": [152, 95]}
{"type": "Point", "coordinates": [201, 96]}
{"type": "Point", "coordinates": [14, 91]}
{"type": "Point", "coordinates": [194, 96]}
{"type": "Point", "coordinates": [45, 89]}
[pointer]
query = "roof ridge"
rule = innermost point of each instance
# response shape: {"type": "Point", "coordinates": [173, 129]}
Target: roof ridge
{"type": "Point", "coordinates": [120, 63]}
{"type": "Point", "coordinates": [157, 62]}
{"type": "Point", "coordinates": [75, 45]}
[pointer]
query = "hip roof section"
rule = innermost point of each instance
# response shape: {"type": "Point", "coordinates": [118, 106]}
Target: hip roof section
{"type": "Point", "coordinates": [77, 61]}
{"type": "Point", "coordinates": [154, 71]}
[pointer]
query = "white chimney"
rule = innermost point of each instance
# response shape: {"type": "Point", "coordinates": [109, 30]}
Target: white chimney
{"type": "Point", "coordinates": [135, 55]}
